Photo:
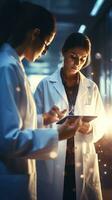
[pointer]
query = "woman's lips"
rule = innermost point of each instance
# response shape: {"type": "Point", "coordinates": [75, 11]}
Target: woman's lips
{"type": "Point", "coordinates": [75, 68]}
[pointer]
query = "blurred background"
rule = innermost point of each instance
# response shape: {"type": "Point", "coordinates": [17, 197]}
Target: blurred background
{"type": "Point", "coordinates": [94, 18]}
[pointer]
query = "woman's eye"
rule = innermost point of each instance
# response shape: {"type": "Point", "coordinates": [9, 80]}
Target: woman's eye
{"type": "Point", "coordinates": [74, 57]}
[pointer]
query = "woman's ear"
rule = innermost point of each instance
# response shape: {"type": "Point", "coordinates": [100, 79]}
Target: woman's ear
{"type": "Point", "coordinates": [35, 33]}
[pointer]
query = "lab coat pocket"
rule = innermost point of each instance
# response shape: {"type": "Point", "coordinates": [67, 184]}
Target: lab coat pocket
{"type": "Point", "coordinates": [91, 184]}
{"type": "Point", "coordinates": [88, 110]}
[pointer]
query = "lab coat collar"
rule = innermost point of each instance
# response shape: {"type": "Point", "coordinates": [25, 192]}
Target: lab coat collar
{"type": "Point", "coordinates": [55, 78]}
{"type": "Point", "coordinates": [84, 93]}
{"type": "Point", "coordinates": [84, 82]}
{"type": "Point", "coordinates": [12, 52]}
{"type": "Point", "coordinates": [7, 47]}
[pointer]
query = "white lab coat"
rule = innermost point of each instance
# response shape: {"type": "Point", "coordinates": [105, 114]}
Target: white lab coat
{"type": "Point", "coordinates": [50, 92]}
{"type": "Point", "coordinates": [20, 141]}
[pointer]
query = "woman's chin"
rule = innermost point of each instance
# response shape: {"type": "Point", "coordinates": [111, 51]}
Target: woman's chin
{"type": "Point", "coordinates": [73, 71]}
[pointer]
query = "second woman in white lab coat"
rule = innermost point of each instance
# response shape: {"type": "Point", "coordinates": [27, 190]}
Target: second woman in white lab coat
{"type": "Point", "coordinates": [68, 89]}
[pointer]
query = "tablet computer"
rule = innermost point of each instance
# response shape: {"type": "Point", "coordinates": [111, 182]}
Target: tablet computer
{"type": "Point", "coordinates": [85, 118]}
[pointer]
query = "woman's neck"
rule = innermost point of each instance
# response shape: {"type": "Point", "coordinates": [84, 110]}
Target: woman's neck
{"type": "Point", "coordinates": [18, 48]}
{"type": "Point", "coordinates": [70, 80]}
{"type": "Point", "coordinates": [20, 52]}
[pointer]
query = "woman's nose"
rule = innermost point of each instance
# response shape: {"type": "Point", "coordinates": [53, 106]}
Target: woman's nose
{"type": "Point", "coordinates": [77, 61]}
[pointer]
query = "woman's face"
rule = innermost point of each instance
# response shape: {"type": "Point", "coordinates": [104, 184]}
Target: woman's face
{"type": "Point", "coordinates": [39, 47]}
{"type": "Point", "coordinates": [43, 47]}
{"type": "Point", "coordinates": [74, 60]}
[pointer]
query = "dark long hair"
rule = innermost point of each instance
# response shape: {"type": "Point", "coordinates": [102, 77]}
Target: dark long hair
{"type": "Point", "coordinates": [75, 40]}
{"type": "Point", "coordinates": [8, 14]}
{"type": "Point", "coordinates": [28, 16]}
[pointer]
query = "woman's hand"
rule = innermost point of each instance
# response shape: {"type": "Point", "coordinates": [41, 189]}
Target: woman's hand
{"type": "Point", "coordinates": [53, 115]}
{"type": "Point", "coordinates": [85, 128]}
{"type": "Point", "coordinates": [69, 128]}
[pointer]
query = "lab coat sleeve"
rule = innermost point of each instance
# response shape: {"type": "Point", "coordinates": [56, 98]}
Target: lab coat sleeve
{"type": "Point", "coordinates": [14, 140]}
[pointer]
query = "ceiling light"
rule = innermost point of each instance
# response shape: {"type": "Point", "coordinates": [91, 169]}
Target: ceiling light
{"type": "Point", "coordinates": [82, 28]}
{"type": "Point", "coordinates": [96, 7]}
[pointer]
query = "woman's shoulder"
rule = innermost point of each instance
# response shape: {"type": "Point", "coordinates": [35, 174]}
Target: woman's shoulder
{"type": "Point", "coordinates": [7, 60]}
{"type": "Point", "coordinates": [87, 79]}
{"type": "Point", "coordinates": [50, 78]}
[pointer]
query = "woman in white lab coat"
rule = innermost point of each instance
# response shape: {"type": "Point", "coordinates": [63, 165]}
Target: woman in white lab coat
{"type": "Point", "coordinates": [57, 89]}
{"type": "Point", "coordinates": [20, 140]}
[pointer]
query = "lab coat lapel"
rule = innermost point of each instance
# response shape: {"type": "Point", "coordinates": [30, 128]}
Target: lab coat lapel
{"type": "Point", "coordinates": [58, 86]}
{"type": "Point", "coordinates": [83, 94]}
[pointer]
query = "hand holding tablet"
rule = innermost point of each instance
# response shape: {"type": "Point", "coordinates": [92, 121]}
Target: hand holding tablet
{"type": "Point", "coordinates": [85, 118]}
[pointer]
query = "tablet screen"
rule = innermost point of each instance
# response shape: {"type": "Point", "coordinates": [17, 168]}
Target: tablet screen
{"type": "Point", "coordinates": [84, 118]}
